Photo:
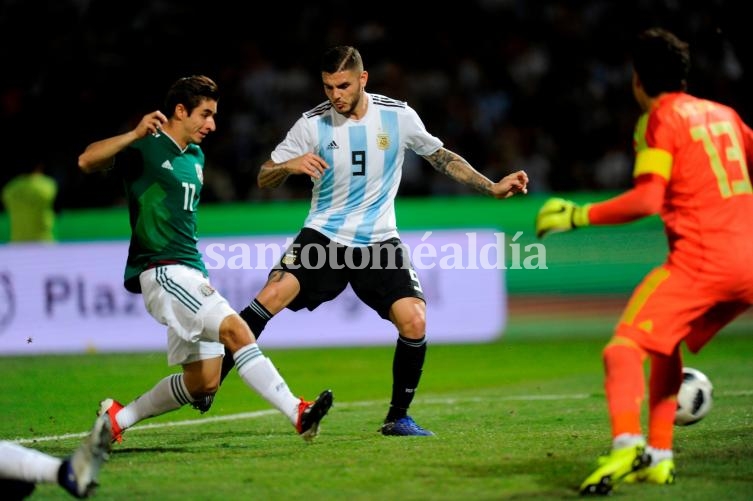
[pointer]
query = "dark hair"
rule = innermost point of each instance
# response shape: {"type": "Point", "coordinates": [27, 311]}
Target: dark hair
{"type": "Point", "coordinates": [190, 92]}
{"type": "Point", "coordinates": [661, 60]}
{"type": "Point", "coordinates": [341, 58]}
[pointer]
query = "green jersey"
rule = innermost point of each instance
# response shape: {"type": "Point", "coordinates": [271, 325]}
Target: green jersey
{"type": "Point", "coordinates": [162, 184]}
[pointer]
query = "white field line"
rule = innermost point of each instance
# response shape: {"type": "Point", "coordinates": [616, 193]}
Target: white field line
{"type": "Point", "coordinates": [363, 403]}
{"type": "Point", "coordinates": [268, 412]}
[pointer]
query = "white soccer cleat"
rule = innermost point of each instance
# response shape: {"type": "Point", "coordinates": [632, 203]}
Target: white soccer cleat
{"type": "Point", "coordinates": [78, 473]}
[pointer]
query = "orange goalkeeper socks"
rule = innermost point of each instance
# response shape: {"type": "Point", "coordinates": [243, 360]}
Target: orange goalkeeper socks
{"type": "Point", "coordinates": [624, 384]}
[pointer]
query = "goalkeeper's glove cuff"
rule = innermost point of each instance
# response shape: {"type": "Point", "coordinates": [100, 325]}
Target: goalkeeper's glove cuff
{"type": "Point", "coordinates": [580, 216]}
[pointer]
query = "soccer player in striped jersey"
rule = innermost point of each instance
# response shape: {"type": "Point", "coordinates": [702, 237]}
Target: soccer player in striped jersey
{"type": "Point", "coordinates": [692, 167]}
{"type": "Point", "coordinates": [162, 165]}
{"type": "Point", "coordinates": [352, 147]}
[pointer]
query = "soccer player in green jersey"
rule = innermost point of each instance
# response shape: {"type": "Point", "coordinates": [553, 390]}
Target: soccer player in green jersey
{"type": "Point", "coordinates": [162, 166]}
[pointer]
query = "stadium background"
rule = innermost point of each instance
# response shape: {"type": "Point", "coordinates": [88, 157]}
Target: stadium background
{"type": "Point", "coordinates": [509, 84]}
{"type": "Point", "coordinates": [541, 85]}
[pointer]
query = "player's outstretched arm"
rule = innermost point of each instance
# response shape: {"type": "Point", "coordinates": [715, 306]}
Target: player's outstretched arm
{"type": "Point", "coordinates": [99, 154]}
{"type": "Point", "coordinates": [643, 200]}
{"type": "Point", "coordinates": [558, 215]}
{"type": "Point", "coordinates": [453, 165]}
{"type": "Point", "coordinates": [272, 175]}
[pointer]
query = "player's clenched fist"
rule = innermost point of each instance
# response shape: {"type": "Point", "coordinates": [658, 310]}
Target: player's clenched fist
{"type": "Point", "coordinates": [558, 214]}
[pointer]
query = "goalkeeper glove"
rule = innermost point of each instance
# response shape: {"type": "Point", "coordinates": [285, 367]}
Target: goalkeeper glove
{"type": "Point", "coordinates": [558, 214]}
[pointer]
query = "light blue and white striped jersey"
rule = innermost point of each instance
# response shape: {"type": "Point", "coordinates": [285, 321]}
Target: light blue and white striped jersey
{"type": "Point", "coordinates": [353, 203]}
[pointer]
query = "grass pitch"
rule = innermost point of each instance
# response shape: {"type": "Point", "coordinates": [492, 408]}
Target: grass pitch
{"type": "Point", "coordinates": [522, 418]}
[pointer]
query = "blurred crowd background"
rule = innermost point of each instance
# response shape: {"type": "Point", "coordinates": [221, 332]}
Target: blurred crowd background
{"type": "Point", "coordinates": [540, 85]}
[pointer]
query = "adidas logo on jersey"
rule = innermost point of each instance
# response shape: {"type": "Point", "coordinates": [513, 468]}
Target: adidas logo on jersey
{"type": "Point", "coordinates": [167, 165]}
{"type": "Point", "coordinates": [333, 146]}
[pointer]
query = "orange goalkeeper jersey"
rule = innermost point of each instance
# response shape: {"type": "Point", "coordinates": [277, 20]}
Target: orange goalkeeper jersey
{"type": "Point", "coordinates": [692, 160]}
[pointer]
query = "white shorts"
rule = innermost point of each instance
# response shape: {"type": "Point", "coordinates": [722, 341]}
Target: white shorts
{"type": "Point", "coordinates": [181, 298]}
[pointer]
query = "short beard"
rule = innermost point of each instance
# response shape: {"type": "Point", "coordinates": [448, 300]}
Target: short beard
{"type": "Point", "coordinates": [353, 106]}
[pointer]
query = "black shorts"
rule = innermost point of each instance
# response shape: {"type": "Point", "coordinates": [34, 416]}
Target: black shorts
{"type": "Point", "coordinates": [379, 274]}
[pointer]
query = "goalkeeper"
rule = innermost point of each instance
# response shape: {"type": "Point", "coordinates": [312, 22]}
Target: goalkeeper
{"type": "Point", "coordinates": [692, 168]}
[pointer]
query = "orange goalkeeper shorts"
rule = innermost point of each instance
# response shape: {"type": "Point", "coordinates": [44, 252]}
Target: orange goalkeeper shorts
{"type": "Point", "coordinates": [670, 306]}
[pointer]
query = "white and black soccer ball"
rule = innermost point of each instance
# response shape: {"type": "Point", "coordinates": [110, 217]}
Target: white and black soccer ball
{"type": "Point", "coordinates": [695, 398]}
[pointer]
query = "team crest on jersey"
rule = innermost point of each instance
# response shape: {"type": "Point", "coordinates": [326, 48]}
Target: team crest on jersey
{"type": "Point", "coordinates": [206, 290]}
{"type": "Point", "coordinates": [199, 173]}
{"type": "Point", "coordinates": [383, 141]}
{"type": "Point", "coordinates": [288, 258]}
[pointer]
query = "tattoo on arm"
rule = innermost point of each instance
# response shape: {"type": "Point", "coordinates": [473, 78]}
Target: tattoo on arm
{"type": "Point", "coordinates": [272, 175]}
{"type": "Point", "coordinates": [453, 165]}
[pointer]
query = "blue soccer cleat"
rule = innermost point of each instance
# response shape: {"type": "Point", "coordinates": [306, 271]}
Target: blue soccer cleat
{"type": "Point", "coordinates": [404, 427]}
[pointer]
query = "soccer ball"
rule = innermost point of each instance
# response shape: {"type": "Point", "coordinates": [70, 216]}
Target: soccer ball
{"type": "Point", "coordinates": [695, 397]}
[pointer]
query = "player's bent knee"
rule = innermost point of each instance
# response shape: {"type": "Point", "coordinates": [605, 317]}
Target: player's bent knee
{"type": "Point", "coordinates": [235, 333]}
{"type": "Point", "coordinates": [409, 316]}
{"type": "Point", "coordinates": [418, 325]}
{"type": "Point", "coordinates": [413, 327]}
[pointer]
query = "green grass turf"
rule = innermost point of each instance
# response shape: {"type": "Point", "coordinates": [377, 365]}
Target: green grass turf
{"type": "Point", "coordinates": [521, 418]}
